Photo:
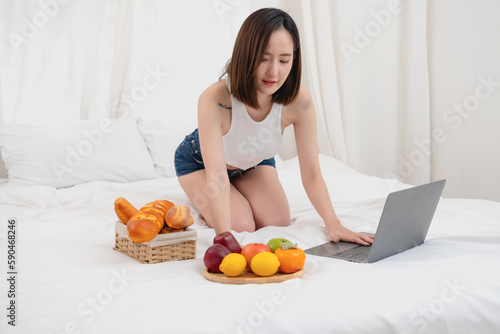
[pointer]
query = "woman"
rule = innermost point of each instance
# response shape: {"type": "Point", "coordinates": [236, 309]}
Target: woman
{"type": "Point", "coordinates": [226, 167]}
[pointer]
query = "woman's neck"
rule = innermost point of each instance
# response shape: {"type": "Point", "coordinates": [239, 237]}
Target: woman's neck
{"type": "Point", "coordinates": [265, 102]}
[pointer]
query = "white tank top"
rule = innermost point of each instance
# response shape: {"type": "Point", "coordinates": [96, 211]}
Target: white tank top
{"type": "Point", "coordinates": [248, 142]}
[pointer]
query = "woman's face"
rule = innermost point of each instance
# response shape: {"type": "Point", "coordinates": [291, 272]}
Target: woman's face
{"type": "Point", "coordinates": [276, 62]}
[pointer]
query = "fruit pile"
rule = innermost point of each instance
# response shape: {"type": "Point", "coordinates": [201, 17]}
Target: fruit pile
{"type": "Point", "coordinates": [227, 256]}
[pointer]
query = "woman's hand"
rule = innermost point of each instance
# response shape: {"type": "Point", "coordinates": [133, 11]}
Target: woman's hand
{"type": "Point", "coordinates": [337, 232]}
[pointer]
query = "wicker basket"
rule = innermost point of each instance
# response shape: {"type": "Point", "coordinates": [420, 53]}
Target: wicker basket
{"type": "Point", "coordinates": [165, 247]}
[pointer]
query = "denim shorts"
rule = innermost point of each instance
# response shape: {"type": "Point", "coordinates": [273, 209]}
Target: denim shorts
{"type": "Point", "coordinates": [188, 158]}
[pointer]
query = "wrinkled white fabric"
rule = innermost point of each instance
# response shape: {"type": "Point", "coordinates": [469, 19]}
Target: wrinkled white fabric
{"type": "Point", "coordinates": [69, 274]}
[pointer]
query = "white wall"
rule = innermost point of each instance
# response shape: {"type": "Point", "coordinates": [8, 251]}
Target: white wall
{"type": "Point", "coordinates": [464, 52]}
{"type": "Point", "coordinates": [69, 49]}
{"type": "Point", "coordinates": [397, 93]}
{"type": "Point", "coordinates": [194, 52]}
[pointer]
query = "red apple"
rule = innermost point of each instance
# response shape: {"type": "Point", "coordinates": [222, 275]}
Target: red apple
{"type": "Point", "coordinates": [229, 241]}
{"type": "Point", "coordinates": [213, 257]}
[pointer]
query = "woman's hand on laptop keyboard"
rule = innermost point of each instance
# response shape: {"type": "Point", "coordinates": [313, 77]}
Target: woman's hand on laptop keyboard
{"type": "Point", "coordinates": [337, 232]}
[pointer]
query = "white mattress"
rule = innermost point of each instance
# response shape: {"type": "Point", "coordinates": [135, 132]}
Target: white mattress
{"type": "Point", "coordinates": [71, 280]}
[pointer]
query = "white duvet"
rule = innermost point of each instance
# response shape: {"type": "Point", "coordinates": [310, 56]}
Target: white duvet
{"type": "Point", "coordinates": [70, 280]}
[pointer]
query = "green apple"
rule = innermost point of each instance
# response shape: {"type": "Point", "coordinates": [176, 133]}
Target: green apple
{"type": "Point", "coordinates": [276, 243]}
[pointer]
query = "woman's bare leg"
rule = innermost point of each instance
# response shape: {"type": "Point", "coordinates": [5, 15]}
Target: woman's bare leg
{"type": "Point", "coordinates": [193, 185]}
{"type": "Point", "coordinates": [263, 190]}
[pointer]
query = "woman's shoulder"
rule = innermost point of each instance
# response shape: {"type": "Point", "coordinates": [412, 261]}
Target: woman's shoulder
{"type": "Point", "coordinates": [302, 102]}
{"type": "Point", "coordinates": [216, 92]}
{"type": "Point", "coordinates": [214, 105]}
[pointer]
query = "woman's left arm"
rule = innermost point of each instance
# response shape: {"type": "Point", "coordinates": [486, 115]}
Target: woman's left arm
{"type": "Point", "coordinates": [304, 122]}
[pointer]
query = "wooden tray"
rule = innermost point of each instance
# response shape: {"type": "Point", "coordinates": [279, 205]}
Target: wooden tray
{"type": "Point", "coordinates": [251, 278]}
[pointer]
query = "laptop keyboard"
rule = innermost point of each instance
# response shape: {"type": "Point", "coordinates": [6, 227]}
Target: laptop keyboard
{"type": "Point", "coordinates": [356, 254]}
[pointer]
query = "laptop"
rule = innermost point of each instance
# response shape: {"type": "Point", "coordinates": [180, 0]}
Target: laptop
{"type": "Point", "coordinates": [404, 223]}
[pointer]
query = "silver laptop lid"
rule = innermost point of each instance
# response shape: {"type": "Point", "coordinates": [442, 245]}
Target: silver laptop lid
{"type": "Point", "coordinates": [405, 219]}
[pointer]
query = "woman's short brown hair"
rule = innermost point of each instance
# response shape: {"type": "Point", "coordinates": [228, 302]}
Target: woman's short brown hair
{"type": "Point", "coordinates": [249, 49]}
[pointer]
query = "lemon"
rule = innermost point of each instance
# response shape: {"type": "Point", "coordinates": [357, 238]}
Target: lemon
{"type": "Point", "coordinates": [265, 264]}
{"type": "Point", "coordinates": [233, 264]}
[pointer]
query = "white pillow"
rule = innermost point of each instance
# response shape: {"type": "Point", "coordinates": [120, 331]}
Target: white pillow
{"type": "Point", "coordinates": [162, 141]}
{"type": "Point", "coordinates": [77, 152]}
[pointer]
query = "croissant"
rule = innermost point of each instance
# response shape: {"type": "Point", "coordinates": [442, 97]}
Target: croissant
{"type": "Point", "coordinates": [148, 221]}
{"type": "Point", "coordinates": [124, 210]}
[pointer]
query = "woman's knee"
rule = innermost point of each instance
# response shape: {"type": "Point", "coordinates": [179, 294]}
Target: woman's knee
{"type": "Point", "coordinates": [274, 218]}
{"type": "Point", "coordinates": [239, 223]}
{"type": "Point", "coordinates": [242, 218]}
{"type": "Point", "coordinates": [243, 224]}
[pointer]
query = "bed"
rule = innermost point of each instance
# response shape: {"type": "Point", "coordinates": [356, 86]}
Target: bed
{"type": "Point", "coordinates": [69, 279]}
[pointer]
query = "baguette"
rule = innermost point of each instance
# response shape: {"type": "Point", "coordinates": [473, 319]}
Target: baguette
{"type": "Point", "coordinates": [148, 221]}
{"type": "Point", "coordinates": [124, 210]}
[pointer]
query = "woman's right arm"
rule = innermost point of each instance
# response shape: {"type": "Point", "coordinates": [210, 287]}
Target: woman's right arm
{"type": "Point", "coordinates": [217, 184]}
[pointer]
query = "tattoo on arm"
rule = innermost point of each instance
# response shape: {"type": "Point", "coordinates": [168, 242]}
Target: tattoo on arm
{"type": "Point", "coordinates": [224, 106]}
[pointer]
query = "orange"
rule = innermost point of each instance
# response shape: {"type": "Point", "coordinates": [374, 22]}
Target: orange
{"type": "Point", "coordinates": [292, 259]}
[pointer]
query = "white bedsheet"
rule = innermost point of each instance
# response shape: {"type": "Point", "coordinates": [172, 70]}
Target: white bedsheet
{"type": "Point", "coordinates": [70, 280]}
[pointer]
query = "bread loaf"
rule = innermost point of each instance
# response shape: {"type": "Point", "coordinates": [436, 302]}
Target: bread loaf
{"type": "Point", "coordinates": [148, 221]}
{"type": "Point", "coordinates": [179, 216]}
{"type": "Point", "coordinates": [167, 229]}
{"type": "Point", "coordinates": [124, 210]}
